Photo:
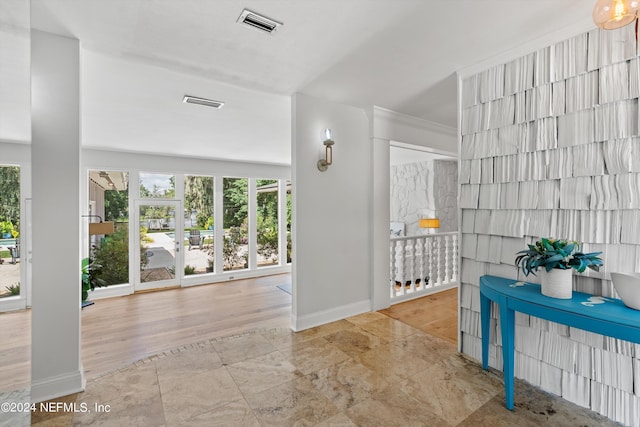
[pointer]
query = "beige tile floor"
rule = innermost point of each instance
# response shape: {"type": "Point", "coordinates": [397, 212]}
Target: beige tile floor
{"type": "Point", "coordinates": [368, 370]}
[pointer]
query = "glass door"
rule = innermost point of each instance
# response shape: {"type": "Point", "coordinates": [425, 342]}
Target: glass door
{"type": "Point", "coordinates": [158, 252]}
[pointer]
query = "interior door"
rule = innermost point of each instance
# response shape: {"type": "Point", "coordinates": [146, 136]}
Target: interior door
{"type": "Point", "coordinates": [158, 254]}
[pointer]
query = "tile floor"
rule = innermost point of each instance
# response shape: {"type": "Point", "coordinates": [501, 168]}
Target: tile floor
{"type": "Point", "coordinates": [368, 370]}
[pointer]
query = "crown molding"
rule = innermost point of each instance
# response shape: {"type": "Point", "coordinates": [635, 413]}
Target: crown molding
{"type": "Point", "coordinates": [548, 39]}
{"type": "Point", "coordinates": [413, 122]}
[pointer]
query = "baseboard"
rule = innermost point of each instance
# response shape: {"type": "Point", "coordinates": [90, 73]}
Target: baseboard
{"type": "Point", "coordinates": [300, 323]}
{"type": "Point", "coordinates": [57, 386]}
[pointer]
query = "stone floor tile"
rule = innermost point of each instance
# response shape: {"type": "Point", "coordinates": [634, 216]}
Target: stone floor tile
{"type": "Point", "coordinates": [348, 383]}
{"type": "Point", "coordinates": [236, 349]}
{"type": "Point", "coordinates": [313, 355]}
{"type": "Point", "coordinates": [236, 414]}
{"type": "Point", "coordinates": [354, 341]}
{"type": "Point", "coordinates": [453, 388]}
{"type": "Point", "coordinates": [297, 402]}
{"type": "Point", "coordinates": [197, 393]}
{"type": "Point", "coordinates": [262, 372]}
{"type": "Point", "coordinates": [392, 407]}
{"type": "Point", "coordinates": [388, 329]}
{"type": "Point", "coordinates": [532, 408]}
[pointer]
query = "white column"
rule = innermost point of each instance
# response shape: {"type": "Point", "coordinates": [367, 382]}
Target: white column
{"type": "Point", "coordinates": [380, 295]}
{"type": "Point", "coordinates": [56, 368]}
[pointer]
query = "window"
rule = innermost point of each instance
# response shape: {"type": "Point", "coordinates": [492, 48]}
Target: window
{"type": "Point", "coordinates": [198, 225]}
{"type": "Point", "coordinates": [267, 222]}
{"type": "Point", "coordinates": [109, 199]}
{"type": "Point", "coordinates": [10, 231]}
{"type": "Point", "coordinates": [235, 207]}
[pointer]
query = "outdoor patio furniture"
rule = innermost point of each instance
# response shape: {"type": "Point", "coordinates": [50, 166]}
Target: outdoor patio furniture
{"type": "Point", "coordinates": [15, 251]}
{"type": "Point", "coordinates": [195, 239]}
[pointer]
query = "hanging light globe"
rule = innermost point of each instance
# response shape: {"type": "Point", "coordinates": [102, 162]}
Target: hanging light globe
{"type": "Point", "coordinates": [612, 14]}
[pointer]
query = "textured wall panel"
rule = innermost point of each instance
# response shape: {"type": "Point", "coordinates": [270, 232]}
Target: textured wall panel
{"type": "Point", "coordinates": [582, 92]}
{"type": "Point", "coordinates": [617, 155]}
{"type": "Point", "coordinates": [614, 83]}
{"type": "Point", "coordinates": [575, 193]}
{"type": "Point", "coordinates": [616, 120]}
{"type": "Point", "coordinates": [518, 74]}
{"type": "Point", "coordinates": [558, 138]}
{"type": "Point", "coordinates": [588, 160]}
{"type": "Point", "coordinates": [576, 128]}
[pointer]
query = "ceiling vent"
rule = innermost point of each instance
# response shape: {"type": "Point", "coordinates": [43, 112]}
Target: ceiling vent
{"type": "Point", "coordinates": [202, 101]}
{"type": "Point", "coordinates": [257, 21]}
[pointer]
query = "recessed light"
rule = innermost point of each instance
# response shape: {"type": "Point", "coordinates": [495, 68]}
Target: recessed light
{"type": "Point", "coordinates": [202, 101]}
{"type": "Point", "coordinates": [257, 21]}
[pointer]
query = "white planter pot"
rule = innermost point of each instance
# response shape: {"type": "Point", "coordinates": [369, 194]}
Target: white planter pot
{"type": "Point", "coordinates": [557, 283]}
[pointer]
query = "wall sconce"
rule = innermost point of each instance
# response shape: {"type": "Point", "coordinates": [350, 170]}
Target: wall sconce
{"type": "Point", "coordinates": [429, 223]}
{"type": "Point", "coordinates": [323, 164]}
{"type": "Point", "coordinates": [612, 14]}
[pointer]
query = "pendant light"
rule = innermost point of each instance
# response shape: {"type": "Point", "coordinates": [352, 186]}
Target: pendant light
{"type": "Point", "coordinates": [612, 14]}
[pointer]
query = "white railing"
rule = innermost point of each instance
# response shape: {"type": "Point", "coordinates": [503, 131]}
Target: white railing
{"type": "Point", "coordinates": [423, 265]}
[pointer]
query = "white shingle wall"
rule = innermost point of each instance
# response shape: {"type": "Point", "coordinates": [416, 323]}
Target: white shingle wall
{"type": "Point", "coordinates": [551, 148]}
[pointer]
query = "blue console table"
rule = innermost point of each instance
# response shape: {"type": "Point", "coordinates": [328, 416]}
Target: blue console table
{"type": "Point", "coordinates": [606, 316]}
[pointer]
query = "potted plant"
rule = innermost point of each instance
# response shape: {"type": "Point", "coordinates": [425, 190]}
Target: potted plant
{"type": "Point", "coordinates": [557, 257]}
{"type": "Point", "coordinates": [89, 279]}
{"type": "Point", "coordinates": [6, 229]}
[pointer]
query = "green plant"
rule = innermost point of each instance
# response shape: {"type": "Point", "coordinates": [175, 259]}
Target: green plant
{"type": "Point", "coordinates": [90, 279]}
{"type": "Point", "coordinates": [209, 223]}
{"type": "Point", "coordinates": [13, 289]}
{"type": "Point", "coordinates": [231, 249]}
{"type": "Point", "coordinates": [112, 254]}
{"type": "Point", "coordinates": [189, 269]}
{"type": "Point", "coordinates": [267, 237]}
{"type": "Point", "coordinates": [556, 253]}
{"type": "Point", "coordinates": [6, 227]}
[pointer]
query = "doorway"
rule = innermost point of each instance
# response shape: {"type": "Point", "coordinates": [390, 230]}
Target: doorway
{"type": "Point", "coordinates": [160, 244]}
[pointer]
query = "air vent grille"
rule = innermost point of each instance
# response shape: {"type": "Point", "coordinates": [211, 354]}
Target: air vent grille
{"type": "Point", "coordinates": [257, 21]}
{"type": "Point", "coordinates": [202, 101]}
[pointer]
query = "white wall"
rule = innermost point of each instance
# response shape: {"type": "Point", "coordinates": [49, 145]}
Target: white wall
{"type": "Point", "coordinates": [56, 369]}
{"type": "Point", "coordinates": [445, 189]}
{"type": "Point", "coordinates": [331, 213]}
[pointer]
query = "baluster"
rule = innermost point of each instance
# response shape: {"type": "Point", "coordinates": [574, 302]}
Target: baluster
{"type": "Point", "coordinates": [422, 275]}
{"type": "Point", "coordinates": [454, 255]}
{"type": "Point", "coordinates": [393, 245]}
{"type": "Point", "coordinates": [429, 246]}
{"type": "Point", "coordinates": [447, 250]}
{"type": "Point", "coordinates": [405, 266]}
{"type": "Point", "coordinates": [412, 253]}
{"type": "Point", "coordinates": [439, 258]}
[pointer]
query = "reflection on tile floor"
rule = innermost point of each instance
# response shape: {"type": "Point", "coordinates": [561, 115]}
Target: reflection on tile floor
{"type": "Point", "coordinates": [368, 370]}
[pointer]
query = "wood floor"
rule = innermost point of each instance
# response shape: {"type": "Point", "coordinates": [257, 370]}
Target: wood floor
{"type": "Point", "coordinates": [119, 331]}
{"type": "Point", "coordinates": [436, 314]}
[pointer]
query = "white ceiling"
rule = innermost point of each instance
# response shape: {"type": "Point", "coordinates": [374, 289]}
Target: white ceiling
{"type": "Point", "coordinates": [139, 57]}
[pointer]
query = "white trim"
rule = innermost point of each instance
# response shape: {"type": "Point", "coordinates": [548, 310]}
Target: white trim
{"type": "Point", "coordinates": [56, 386]}
{"type": "Point", "coordinates": [111, 291]}
{"type": "Point", "coordinates": [205, 279]}
{"type": "Point", "coordinates": [415, 295]}
{"type": "Point", "coordinates": [331, 315]}
{"type": "Point", "coordinates": [452, 154]}
{"type": "Point", "coordinates": [383, 118]}
{"type": "Point", "coordinates": [13, 303]}
{"type": "Point", "coordinates": [530, 46]}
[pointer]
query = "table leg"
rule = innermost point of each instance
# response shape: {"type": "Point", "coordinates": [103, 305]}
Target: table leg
{"type": "Point", "coordinates": [485, 322]}
{"type": "Point", "coordinates": [507, 321]}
